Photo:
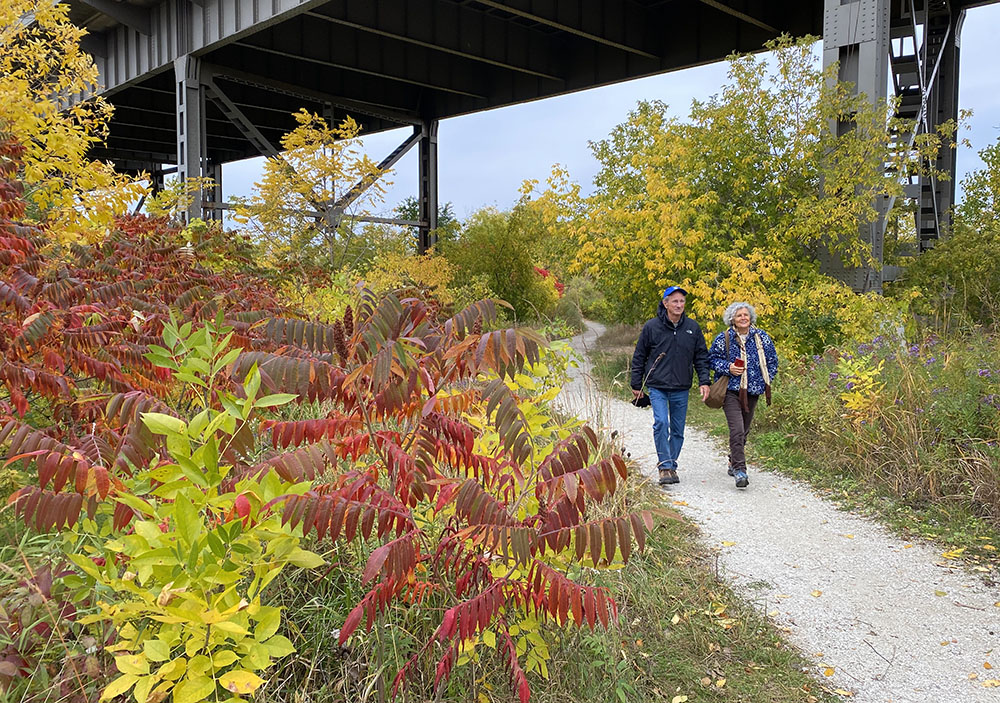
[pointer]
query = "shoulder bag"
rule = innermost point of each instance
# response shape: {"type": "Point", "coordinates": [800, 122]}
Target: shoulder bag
{"type": "Point", "coordinates": [717, 392]}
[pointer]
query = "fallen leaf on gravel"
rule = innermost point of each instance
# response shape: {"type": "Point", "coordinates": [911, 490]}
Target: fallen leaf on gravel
{"type": "Point", "coordinates": [954, 553]}
{"type": "Point", "coordinates": [842, 692]}
{"type": "Point", "coordinates": [773, 614]}
{"type": "Point", "coordinates": [987, 665]}
{"type": "Point", "coordinates": [997, 604]}
{"type": "Point", "coordinates": [816, 594]}
{"type": "Point", "coordinates": [991, 683]}
{"type": "Point", "coordinates": [907, 546]}
{"type": "Point", "coordinates": [828, 671]}
{"type": "Point", "coordinates": [680, 502]}
{"type": "Point", "coordinates": [989, 547]}
{"type": "Point", "coordinates": [945, 643]}
{"type": "Point", "coordinates": [728, 544]}
{"type": "Point", "coordinates": [848, 536]}
{"type": "Point", "coordinates": [818, 654]}
{"type": "Point", "coordinates": [940, 593]}
{"type": "Point", "coordinates": [973, 675]}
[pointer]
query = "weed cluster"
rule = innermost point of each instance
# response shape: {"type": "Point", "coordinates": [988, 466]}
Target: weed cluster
{"type": "Point", "coordinates": [921, 421]}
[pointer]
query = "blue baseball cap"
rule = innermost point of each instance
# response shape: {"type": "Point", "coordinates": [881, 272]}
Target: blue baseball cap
{"type": "Point", "coordinates": [674, 289]}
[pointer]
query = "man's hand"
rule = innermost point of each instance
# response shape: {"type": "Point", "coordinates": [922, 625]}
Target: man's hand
{"type": "Point", "coordinates": [636, 394]}
{"type": "Point", "coordinates": [704, 392]}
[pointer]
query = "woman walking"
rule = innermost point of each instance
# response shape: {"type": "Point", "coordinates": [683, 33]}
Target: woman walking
{"type": "Point", "coordinates": [746, 354]}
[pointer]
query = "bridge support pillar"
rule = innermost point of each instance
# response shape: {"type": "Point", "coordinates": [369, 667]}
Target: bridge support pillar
{"type": "Point", "coordinates": [213, 194]}
{"type": "Point", "coordinates": [917, 43]}
{"type": "Point", "coordinates": [856, 35]}
{"type": "Point", "coordinates": [428, 185]}
{"type": "Point", "coordinates": [191, 147]}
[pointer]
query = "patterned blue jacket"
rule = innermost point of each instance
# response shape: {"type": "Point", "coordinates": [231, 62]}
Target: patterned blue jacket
{"type": "Point", "coordinates": [755, 379]}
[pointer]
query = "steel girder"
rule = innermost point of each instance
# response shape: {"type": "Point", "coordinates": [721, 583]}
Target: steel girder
{"type": "Point", "coordinates": [917, 43]}
{"type": "Point", "coordinates": [392, 62]}
{"type": "Point", "coordinates": [414, 62]}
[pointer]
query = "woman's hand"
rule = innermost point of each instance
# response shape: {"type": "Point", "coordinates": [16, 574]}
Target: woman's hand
{"type": "Point", "coordinates": [735, 370]}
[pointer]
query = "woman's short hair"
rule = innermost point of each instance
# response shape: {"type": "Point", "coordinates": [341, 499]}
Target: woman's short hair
{"type": "Point", "coordinates": [730, 313]}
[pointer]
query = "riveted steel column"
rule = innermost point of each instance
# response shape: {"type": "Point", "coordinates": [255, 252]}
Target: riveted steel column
{"type": "Point", "coordinates": [191, 149]}
{"type": "Point", "coordinates": [856, 34]}
{"type": "Point", "coordinates": [428, 185]}
{"type": "Point", "coordinates": [213, 194]}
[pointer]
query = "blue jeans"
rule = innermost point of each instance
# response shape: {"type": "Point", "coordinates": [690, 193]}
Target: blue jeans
{"type": "Point", "coordinates": [669, 413]}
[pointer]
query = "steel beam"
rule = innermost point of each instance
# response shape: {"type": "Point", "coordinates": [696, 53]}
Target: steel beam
{"type": "Point", "coordinates": [739, 15]}
{"type": "Point", "coordinates": [428, 184]}
{"type": "Point", "coordinates": [191, 147]}
{"type": "Point", "coordinates": [214, 192]}
{"type": "Point", "coordinates": [560, 19]}
{"type": "Point", "coordinates": [236, 116]}
{"type": "Point", "coordinates": [856, 37]}
{"type": "Point", "coordinates": [387, 163]}
{"type": "Point", "coordinates": [449, 28]}
{"type": "Point", "coordinates": [387, 113]}
{"type": "Point", "coordinates": [178, 27]}
{"type": "Point", "coordinates": [341, 48]}
{"type": "Point", "coordinates": [131, 16]}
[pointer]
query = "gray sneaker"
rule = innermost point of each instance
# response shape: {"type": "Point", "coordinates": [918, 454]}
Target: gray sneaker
{"type": "Point", "coordinates": [741, 479]}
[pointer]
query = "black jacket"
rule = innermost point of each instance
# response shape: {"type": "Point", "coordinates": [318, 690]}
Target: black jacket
{"type": "Point", "coordinates": [683, 348]}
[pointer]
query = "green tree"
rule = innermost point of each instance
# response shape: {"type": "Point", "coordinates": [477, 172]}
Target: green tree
{"type": "Point", "coordinates": [960, 277]}
{"type": "Point", "coordinates": [448, 225]}
{"type": "Point", "coordinates": [496, 247]}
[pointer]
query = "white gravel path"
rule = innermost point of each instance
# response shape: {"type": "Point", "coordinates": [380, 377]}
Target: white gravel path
{"type": "Point", "coordinates": [894, 621]}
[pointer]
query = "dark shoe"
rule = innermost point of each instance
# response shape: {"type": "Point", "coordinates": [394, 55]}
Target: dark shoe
{"type": "Point", "coordinates": [731, 472]}
{"type": "Point", "coordinates": [741, 479]}
{"type": "Point", "coordinates": [672, 476]}
{"type": "Point", "coordinates": [664, 477]}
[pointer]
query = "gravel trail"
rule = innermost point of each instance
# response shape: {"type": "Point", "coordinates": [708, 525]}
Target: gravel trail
{"type": "Point", "coordinates": [894, 621]}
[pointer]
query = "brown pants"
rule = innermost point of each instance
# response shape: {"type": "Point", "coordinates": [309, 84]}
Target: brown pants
{"type": "Point", "coordinates": [739, 427]}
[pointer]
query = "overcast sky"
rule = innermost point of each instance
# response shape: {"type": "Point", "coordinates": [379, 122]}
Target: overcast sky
{"type": "Point", "coordinates": [483, 158]}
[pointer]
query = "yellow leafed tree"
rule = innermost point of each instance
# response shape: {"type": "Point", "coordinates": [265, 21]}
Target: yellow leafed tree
{"type": "Point", "coordinates": [736, 202]}
{"type": "Point", "coordinates": [42, 70]}
{"type": "Point", "coordinates": [297, 210]}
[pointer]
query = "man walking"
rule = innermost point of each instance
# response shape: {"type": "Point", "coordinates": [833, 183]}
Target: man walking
{"type": "Point", "coordinates": [669, 347]}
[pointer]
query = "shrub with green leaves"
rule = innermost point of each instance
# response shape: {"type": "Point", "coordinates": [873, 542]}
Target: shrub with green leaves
{"type": "Point", "coordinates": [182, 582]}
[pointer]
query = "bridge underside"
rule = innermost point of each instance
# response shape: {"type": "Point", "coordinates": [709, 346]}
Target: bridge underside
{"type": "Point", "coordinates": [199, 83]}
{"type": "Point", "coordinates": [392, 62]}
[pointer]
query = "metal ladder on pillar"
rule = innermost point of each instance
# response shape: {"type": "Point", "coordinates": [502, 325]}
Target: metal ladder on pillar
{"type": "Point", "coordinates": [918, 33]}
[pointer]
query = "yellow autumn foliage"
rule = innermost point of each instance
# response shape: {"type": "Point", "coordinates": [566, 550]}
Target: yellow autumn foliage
{"type": "Point", "coordinates": [737, 202]}
{"type": "Point", "coordinates": [293, 211]}
{"type": "Point", "coordinates": [42, 69]}
{"type": "Point", "coordinates": [431, 273]}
